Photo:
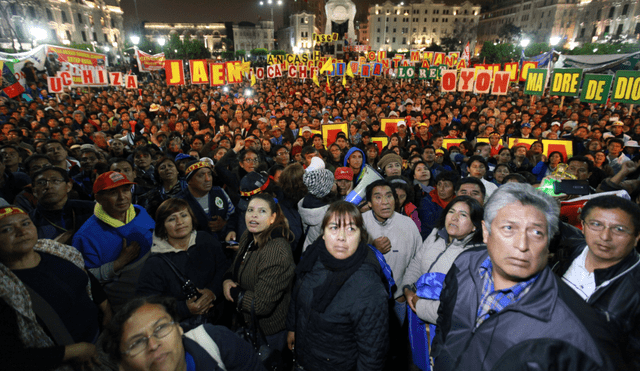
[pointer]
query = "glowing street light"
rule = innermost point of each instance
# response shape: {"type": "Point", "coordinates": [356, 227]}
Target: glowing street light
{"type": "Point", "coordinates": [247, 92]}
{"type": "Point", "coordinates": [161, 41]}
{"type": "Point", "coordinates": [135, 39]}
{"type": "Point", "coordinates": [106, 49]}
{"type": "Point", "coordinates": [554, 40]}
{"type": "Point", "coordinates": [38, 33]}
{"type": "Point", "coordinates": [524, 43]}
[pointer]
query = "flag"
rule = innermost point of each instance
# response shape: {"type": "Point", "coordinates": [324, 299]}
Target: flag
{"type": "Point", "coordinates": [245, 67]}
{"type": "Point", "coordinates": [344, 80]}
{"type": "Point", "coordinates": [315, 79]}
{"type": "Point", "coordinates": [466, 54]}
{"type": "Point", "coordinates": [328, 66]}
{"type": "Point", "coordinates": [349, 72]}
{"type": "Point", "coordinates": [253, 79]}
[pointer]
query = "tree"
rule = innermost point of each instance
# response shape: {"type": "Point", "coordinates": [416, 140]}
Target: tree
{"type": "Point", "coordinates": [195, 49]}
{"type": "Point", "coordinates": [510, 32]}
{"type": "Point", "coordinates": [241, 54]}
{"type": "Point", "coordinates": [228, 55]}
{"type": "Point", "coordinates": [451, 44]}
{"type": "Point", "coordinates": [259, 52]}
{"type": "Point", "coordinates": [499, 53]}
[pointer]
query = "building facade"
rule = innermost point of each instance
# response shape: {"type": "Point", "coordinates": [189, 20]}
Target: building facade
{"type": "Point", "coordinates": [406, 26]}
{"type": "Point", "coordinates": [248, 36]}
{"type": "Point", "coordinates": [539, 20]}
{"type": "Point", "coordinates": [97, 22]}
{"type": "Point", "coordinates": [298, 37]}
{"type": "Point", "coordinates": [607, 20]}
{"type": "Point", "coordinates": [211, 34]}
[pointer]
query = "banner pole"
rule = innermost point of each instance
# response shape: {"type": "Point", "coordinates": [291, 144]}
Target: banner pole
{"type": "Point", "coordinates": [561, 102]}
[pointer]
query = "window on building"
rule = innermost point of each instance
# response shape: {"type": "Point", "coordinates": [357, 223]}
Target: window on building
{"type": "Point", "coordinates": [378, 30]}
{"type": "Point", "coordinates": [49, 15]}
{"type": "Point", "coordinates": [68, 34]}
{"type": "Point", "coordinates": [113, 23]}
{"type": "Point", "coordinates": [80, 19]}
{"type": "Point", "coordinates": [64, 17]}
{"type": "Point", "coordinates": [95, 36]}
{"type": "Point", "coordinates": [393, 40]}
{"type": "Point", "coordinates": [426, 11]}
{"type": "Point", "coordinates": [425, 19]}
{"type": "Point", "coordinates": [424, 29]}
{"type": "Point", "coordinates": [378, 39]}
{"type": "Point", "coordinates": [106, 37]}
{"type": "Point", "coordinates": [415, 30]}
{"type": "Point", "coordinates": [404, 40]}
{"type": "Point", "coordinates": [637, 31]}
{"type": "Point", "coordinates": [435, 30]}
{"type": "Point", "coordinates": [379, 19]}
{"type": "Point", "coordinates": [395, 19]}
{"type": "Point", "coordinates": [582, 32]}
{"type": "Point", "coordinates": [32, 11]}
{"type": "Point", "coordinates": [595, 30]}
{"type": "Point", "coordinates": [619, 30]}
{"type": "Point", "coordinates": [53, 35]}
{"type": "Point", "coordinates": [84, 36]}
{"type": "Point", "coordinates": [625, 9]}
{"type": "Point", "coordinates": [115, 38]}
{"type": "Point", "coordinates": [14, 9]}
{"type": "Point", "coordinates": [606, 30]}
{"type": "Point", "coordinates": [394, 30]}
{"type": "Point", "coordinates": [386, 29]}
{"type": "Point", "coordinates": [612, 11]}
{"type": "Point", "coordinates": [598, 14]}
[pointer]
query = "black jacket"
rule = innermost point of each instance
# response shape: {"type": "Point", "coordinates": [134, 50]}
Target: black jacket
{"type": "Point", "coordinates": [616, 299]}
{"type": "Point", "coordinates": [550, 328]}
{"type": "Point", "coordinates": [353, 332]}
{"type": "Point", "coordinates": [204, 264]}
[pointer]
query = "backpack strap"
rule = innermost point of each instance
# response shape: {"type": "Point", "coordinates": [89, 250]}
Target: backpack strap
{"type": "Point", "coordinates": [51, 319]}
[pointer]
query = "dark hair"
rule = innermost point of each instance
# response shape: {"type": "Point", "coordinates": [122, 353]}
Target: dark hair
{"type": "Point", "coordinates": [515, 176]}
{"type": "Point", "coordinates": [157, 166]}
{"type": "Point", "coordinates": [343, 212]}
{"type": "Point", "coordinates": [614, 202]}
{"type": "Point", "coordinates": [582, 159]}
{"type": "Point", "coordinates": [449, 176]}
{"type": "Point", "coordinates": [554, 152]}
{"type": "Point", "coordinates": [381, 183]}
{"type": "Point", "coordinates": [143, 150]}
{"type": "Point", "coordinates": [168, 207]}
{"type": "Point", "coordinates": [476, 215]}
{"type": "Point", "coordinates": [413, 170]}
{"type": "Point", "coordinates": [116, 160]}
{"type": "Point", "coordinates": [63, 173]}
{"type": "Point", "coordinates": [471, 180]}
{"type": "Point", "coordinates": [404, 184]}
{"type": "Point", "coordinates": [291, 182]}
{"type": "Point", "coordinates": [36, 156]}
{"type": "Point", "coordinates": [281, 223]}
{"type": "Point", "coordinates": [112, 335]}
{"type": "Point", "coordinates": [479, 159]}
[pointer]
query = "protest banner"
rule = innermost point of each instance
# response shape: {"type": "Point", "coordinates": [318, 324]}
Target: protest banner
{"type": "Point", "coordinates": [389, 126]}
{"type": "Point", "coordinates": [450, 142]}
{"type": "Point", "coordinates": [549, 145]}
{"type": "Point", "coordinates": [149, 62]}
{"type": "Point", "coordinates": [199, 71]}
{"type": "Point", "coordinates": [381, 142]}
{"type": "Point", "coordinates": [565, 82]}
{"type": "Point", "coordinates": [626, 87]}
{"type": "Point", "coordinates": [536, 81]}
{"type": "Point", "coordinates": [174, 71]}
{"type": "Point", "coordinates": [595, 88]}
{"type": "Point", "coordinates": [330, 132]}
{"type": "Point", "coordinates": [73, 60]}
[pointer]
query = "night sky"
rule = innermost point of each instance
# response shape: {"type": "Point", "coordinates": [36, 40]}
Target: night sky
{"type": "Point", "coordinates": [220, 10]}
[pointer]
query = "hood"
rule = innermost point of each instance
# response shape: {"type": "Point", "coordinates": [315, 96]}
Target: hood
{"type": "Point", "coordinates": [161, 246]}
{"type": "Point", "coordinates": [351, 151]}
{"type": "Point", "coordinates": [311, 216]}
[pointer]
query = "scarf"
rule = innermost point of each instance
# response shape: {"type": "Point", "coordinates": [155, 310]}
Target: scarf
{"type": "Point", "coordinates": [14, 293]}
{"type": "Point", "coordinates": [102, 215]}
{"type": "Point", "coordinates": [339, 271]}
{"type": "Point", "coordinates": [437, 200]}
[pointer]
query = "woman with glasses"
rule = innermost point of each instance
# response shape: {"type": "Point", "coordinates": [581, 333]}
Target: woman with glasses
{"type": "Point", "coordinates": [144, 335]}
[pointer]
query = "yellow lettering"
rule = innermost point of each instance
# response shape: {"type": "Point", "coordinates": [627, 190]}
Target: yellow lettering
{"type": "Point", "coordinates": [621, 87]}
{"type": "Point", "coordinates": [635, 95]}
{"type": "Point", "coordinates": [175, 73]}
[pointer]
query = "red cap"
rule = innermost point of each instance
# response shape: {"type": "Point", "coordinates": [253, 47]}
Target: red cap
{"type": "Point", "coordinates": [344, 173]}
{"type": "Point", "coordinates": [108, 180]}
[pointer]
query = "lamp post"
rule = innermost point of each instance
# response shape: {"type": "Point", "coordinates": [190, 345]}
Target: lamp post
{"type": "Point", "coordinates": [135, 40]}
{"type": "Point", "coordinates": [161, 41]}
{"type": "Point", "coordinates": [38, 34]}
{"type": "Point", "coordinates": [271, 3]}
{"type": "Point", "coordinates": [553, 41]}
{"type": "Point", "coordinates": [524, 42]}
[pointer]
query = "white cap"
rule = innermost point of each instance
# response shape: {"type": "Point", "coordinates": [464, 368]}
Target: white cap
{"type": "Point", "coordinates": [316, 164]}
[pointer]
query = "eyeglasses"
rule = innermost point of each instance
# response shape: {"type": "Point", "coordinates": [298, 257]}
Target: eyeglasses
{"type": "Point", "coordinates": [616, 230]}
{"type": "Point", "coordinates": [254, 160]}
{"type": "Point", "coordinates": [141, 344]}
{"type": "Point", "coordinates": [44, 182]}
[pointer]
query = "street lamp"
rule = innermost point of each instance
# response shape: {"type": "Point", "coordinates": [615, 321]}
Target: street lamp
{"type": "Point", "coordinates": [161, 41]}
{"type": "Point", "coordinates": [524, 43]}
{"type": "Point", "coordinates": [271, 4]}
{"type": "Point", "coordinates": [38, 34]}
{"type": "Point", "coordinates": [135, 40]}
{"type": "Point", "coordinates": [554, 40]}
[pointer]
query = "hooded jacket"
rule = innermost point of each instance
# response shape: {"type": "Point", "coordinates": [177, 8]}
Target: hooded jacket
{"type": "Point", "coordinates": [356, 177]}
{"type": "Point", "coordinates": [549, 328]}
{"type": "Point", "coordinates": [311, 210]}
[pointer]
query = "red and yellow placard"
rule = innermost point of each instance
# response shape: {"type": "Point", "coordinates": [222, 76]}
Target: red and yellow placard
{"type": "Point", "coordinates": [330, 132]}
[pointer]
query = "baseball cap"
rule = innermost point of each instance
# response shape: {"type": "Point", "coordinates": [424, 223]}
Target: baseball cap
{"type": "Point", "coordinates": [526, 125]}
{"type": "Point", "coordinates": [109, 180]}
{"type": "Point", "coordinates": [343, 173]}
{"type": "Point", "coordinates": [305, 129]}
{"type": "Point", "coordinates": [555, 123]}
{"type": "Point", "coordinates": [401, 123]}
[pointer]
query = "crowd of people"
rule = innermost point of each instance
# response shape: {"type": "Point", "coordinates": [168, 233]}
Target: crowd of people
{"type": "Point", "coordinates": [130, 218]}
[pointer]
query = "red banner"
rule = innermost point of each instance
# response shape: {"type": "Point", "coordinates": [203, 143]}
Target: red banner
{"type": "Point", "coordinates": [149, 62]}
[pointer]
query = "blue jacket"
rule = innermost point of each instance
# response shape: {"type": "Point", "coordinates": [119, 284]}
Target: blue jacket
{"type": "Point", "coordinates": [51, 224]}
{"type": "Point", "coordinates": [549, 326]}
{"type": "Point", "coordinates": [356, 177]}
{"type": "Point", "coordinates": [100, 243]}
